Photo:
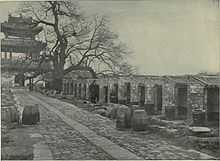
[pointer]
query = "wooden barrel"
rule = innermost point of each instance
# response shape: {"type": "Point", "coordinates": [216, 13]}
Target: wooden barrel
{"type": "Point", "coordinates": [113, 112]}
{"type": "Point", "coordinates": [30, 115]}
{"type": "Point", "coordinates": [9, 114]}
{"type": "Point", "coordinates": [139, 120]}
{"type": "Point", "coordinates": [123, 118]}
{"type": "Point", "coordinates": [6, 114]}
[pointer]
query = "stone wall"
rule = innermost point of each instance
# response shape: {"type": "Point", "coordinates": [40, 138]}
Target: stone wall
{"type": "Point", "coordinates": [196, 95]}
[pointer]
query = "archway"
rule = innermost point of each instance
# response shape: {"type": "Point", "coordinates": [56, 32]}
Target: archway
{"type": "Point", "coordinates": [181, 100]}
{"type": "Point", "coordinates": [105, 88]}
{"type": "Point", "coordinates": [141, 94]}
{"type": "Point", "coordinates": [128, 92]}
{"type": "Point", "coordinates": [75, 90]}
{"type": "Point", "coordinates": [94, 93]}
{"type": "Point", "coordinates": [213, 104]}
{"type": "Point", "coordinates": [158, 98]}
{"type": "Point", "coordinates": [114, 94]}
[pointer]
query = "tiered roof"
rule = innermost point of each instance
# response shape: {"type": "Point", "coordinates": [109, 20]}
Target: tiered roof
{"type": "Point", "coordinates": [20, 35]}
{"type": "Point", "coordinates": [20, 27]}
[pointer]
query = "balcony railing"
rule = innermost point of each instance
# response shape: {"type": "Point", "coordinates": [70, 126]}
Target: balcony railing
{"type": "Point", "coordinates": [27, 65]}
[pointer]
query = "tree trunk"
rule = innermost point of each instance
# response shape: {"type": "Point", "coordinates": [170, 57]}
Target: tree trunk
{"type": "Point", "coordinates": [58, 64]}
{"type": "Point", "coordinates": [58, 75]}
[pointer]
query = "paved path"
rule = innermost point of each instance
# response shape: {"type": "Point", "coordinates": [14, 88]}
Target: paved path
{"type": "Point", "coordinates": [145, 145]}
{"type": "Point", "coordinates": [58, 140]}
{"type": "Point", "coordinates": [115, 151]}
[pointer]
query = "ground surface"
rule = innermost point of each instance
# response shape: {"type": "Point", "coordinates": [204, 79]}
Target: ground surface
{"type": "Point", "coordinates": [67, 142]}
{"type": "Point", "coordinates": [180, 138]}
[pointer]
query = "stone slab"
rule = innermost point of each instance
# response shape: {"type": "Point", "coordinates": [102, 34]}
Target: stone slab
{"type": "Point", "coordinates": [198, 129]}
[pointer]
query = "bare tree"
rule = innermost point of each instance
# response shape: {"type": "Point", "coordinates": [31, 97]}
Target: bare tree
{"type": "Point", "coordinates": [100, 47]}
{"type": "Point", "coordinates": [71, 36]}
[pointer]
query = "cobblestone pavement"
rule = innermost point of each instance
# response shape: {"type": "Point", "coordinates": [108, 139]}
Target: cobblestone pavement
{"type": "Point", "coordinates": [143, 144]}
{"type": "Point", "coordinates": [65, 142]}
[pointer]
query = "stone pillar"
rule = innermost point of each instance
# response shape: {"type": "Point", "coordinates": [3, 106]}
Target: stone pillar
{"type": "Point", "coordinates": [79, 90]}
{"type": "Point", "coordinates": [64, 85]}
{"type": "Point", "coordinates": [149, 99]}
{"type": "Point", "coordinates": [205, 94]}
{"type": "Point", "coordinates": [189, 107]}
{"type": "Point", "coordinates": [108, 93]}
{"type": "Point", "coordinates": [134, 93]}
{"type": "Point", "coordinates": [87, 91]}
{"type": "Point", "coordinates": [121, 93]}
{"type": "Point", "coordinates": [73, 89]}
{"type": "Point", "coordinates": [101, 93]}
{"type": "Point", "coordinates": [197, 102]}
{"type": "Point", "coordinates": [63, 89]}
{"type": "Point", "coordinates": [67, 87]}
{"type": "Point", "coordinates": [82, 91]}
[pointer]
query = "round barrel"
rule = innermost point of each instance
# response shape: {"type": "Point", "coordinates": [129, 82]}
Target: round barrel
{"type": "Point", "coordinates": [30, 115]}
{"type": "Point", "coordinates": [6, 114]}
{"type": "Point", "coordinates": [123, 117]}
{"type": "Point", "coordinates": [199, 118]}
{"type": "Point", "coordinates": [113, 112]}
{"type": "Point", "coordinates": [139, 120]}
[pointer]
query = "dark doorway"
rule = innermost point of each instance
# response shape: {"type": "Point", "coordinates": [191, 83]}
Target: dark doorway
{"type": "Point", "coordinates": [71, 88]}
{"type": "Point", "coordinates": [80, 86]}
{"type": "Point", "coordinates": [106, 93]}
{"type": "Point", "coordinates": [114, 94]}
{"type": "Point", "coordinates": [141, 93]}
{"type": "Point", "coordinates": [213, 104]}
{"type": "Point", "coordinates": [75, 90]}
{"type": "Point", "coordinates": [67, 88]}
{"type": "Point", "coordinates": [128, 92]}
{"type": "Point", "coordinates": [181, 100]}
{"type": "Point", "coordinates": [85, 91]}
{"type": "Point", "coordinates": [158, 98]}
{"type": "Point", "coordinates": [94, 93]}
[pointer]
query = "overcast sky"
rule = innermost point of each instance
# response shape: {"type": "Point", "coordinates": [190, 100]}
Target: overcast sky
{"type": "Point", "coordinates": [166, 37]}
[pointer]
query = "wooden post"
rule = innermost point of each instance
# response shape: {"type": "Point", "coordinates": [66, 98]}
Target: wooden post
{"type": "Point", "coordinates": [10, 55]}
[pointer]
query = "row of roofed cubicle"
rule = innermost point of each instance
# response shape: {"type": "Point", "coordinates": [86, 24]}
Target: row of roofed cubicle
{"type": "Point", "coordinates": [177, 97]}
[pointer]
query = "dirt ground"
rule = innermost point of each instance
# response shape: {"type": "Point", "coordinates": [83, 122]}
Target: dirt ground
{"type": "Point", "coordinates": [178, 140]}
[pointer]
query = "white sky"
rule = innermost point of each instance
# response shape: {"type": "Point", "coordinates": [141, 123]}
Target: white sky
{"type": "Point", "coordinates": [166, 37]}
